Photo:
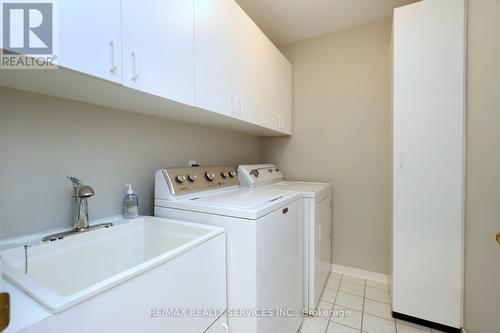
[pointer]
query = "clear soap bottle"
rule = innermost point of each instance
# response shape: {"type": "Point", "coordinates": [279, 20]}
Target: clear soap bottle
{"type": "Point", "coordinates": [130, 204]}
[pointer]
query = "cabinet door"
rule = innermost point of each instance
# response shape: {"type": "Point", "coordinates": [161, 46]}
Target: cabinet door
{"type": "Point", "coordinates": [214, 36]}
{"type": "Point", "coordinates": [277, 92]}
{"type": "Point", "coordinates": [429, 110]}
{"type": "Point", "coordinates": [263, 78]}
{"type": "Point", "coordinates": [89, 37]}
{"type": "Point", "coordinates": [250, 74]}
{"type": "Point", "coordinates": [158, 48]}
{"type": "Point", "coordinates": [283, 92]}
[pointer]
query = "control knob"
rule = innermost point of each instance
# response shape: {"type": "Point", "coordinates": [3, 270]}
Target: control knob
{"type": "Point", "coordinates": [232, 173]}
{"type": "Point", "coordinates": [192, 177]}
{"type": "Point", "coordinates": [224, 174]}
{"type": "Point", "coordinates": [210, 176]}
{"type": "Point", "coordinates": [180, 179]}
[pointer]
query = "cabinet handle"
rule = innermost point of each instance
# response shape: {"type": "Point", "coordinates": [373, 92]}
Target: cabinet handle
{"type": "Point", "coordinates": [112, 69]}
{"type": "Point", "coordinates": [226, 327]}
{"type": "Point", "coordinates": [233, 104]}
{"type": "Point", "coordinates": [281, 122]}
{"type": "Point", "coordinates": [135, 73]}
{"type": "Point", "coordinates": [240, 106]}
{"type": "Point", "coordinates": [401, 159]}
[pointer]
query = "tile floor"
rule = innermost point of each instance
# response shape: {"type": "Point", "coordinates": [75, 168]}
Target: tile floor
{"type": "Point", "coordinates": [353, 305]}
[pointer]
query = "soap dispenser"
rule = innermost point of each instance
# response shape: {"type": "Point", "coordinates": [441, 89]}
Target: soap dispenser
{"type": "Point", "coordinates": [130, 204]}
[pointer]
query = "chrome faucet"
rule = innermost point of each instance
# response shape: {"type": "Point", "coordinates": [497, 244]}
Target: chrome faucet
{"type": "Point", "coordinates": [81, 194]}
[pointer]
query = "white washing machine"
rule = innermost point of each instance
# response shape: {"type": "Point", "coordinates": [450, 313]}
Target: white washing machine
{"type": "Point", "coordinates": [264, 242]}
{"type": "Point", "coordinates": [317, 221]}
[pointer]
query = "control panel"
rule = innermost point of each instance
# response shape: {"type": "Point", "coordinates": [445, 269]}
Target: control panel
{"type": "Point", "coordinates": [196, 179]}
{"type": "Point", "coordinates": [254, 175]}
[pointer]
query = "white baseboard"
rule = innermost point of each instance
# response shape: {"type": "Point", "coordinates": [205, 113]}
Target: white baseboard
{"type": "Point", "coordinates": [383, 278]}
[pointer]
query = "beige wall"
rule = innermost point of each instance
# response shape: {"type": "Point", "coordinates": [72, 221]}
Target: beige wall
{"type": "Point", "coordinates": [44, 139]}
{"type": "Point", "coordinates": [342, 134]}
{"type": "Point", "coordinates": [482, 254]}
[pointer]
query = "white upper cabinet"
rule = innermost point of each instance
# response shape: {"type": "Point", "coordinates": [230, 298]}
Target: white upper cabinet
{"type": "Point", "coordinates": [214, 37]}
{"type": "Point", "coordinates": [89, 37]}
{"type": "Point", "coordinates": [201, 61]}
{"type": "Point", "coordinates": [284, 94]}
{"type": "Point", "coordinates": [158, 48]}
{"type": "Point", "coordinates": [263, 78]}
{"type": "Point", "coordinates": [278, 89]}
{"type": "Point", "coordinates": [238, 70]}
{"type": "Point", "coordinates": [250, 75]}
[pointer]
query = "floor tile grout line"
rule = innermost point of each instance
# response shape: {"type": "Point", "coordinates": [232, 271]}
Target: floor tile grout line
{"type": "Point", "coordinates": [373, 315]}
{"type": "Point", "coordinates": [348, 308]}
{"type": "Point", "coordinates": [346, 326]}
{"type": "Point", "coordinates": [363, 308]}
{"type": "Point", "coordinates": [337, 291]}
{"type": "Point", "coordinates": [359, 284]}
{"type": "Point", "coordinates": [334, 301]}
{"type": "Point", "coordinates": [364, 302]}
{"type": "Point", "coordinates": [383, 289]}
{"type": "Point", "coordinates": [374, 300]}
{"type": "Point", "coordinates": [345, 292]}
{"type": "Point", "coordinates": [336, 322]}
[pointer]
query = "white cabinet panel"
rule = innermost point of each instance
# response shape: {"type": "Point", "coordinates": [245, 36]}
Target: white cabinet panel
{"type": "Point", "coordinates": [250, 75]}
{"type": "Point", "coordinates": [283, 92]}
{"type": "Point", "coordinates": [277, 92]}
{"type": "Point", "coordinates": [158, 48]}
{"type": "Point", "coordinates": [429, 109]}
{"type": "Point", "coordinates": [263, 78]}
{"type": "Point", "coordinates": [89, 37]}
{"type": "Point", "coordinates": [214, 55]}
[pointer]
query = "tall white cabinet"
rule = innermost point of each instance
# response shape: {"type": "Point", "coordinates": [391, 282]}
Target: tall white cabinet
{"type": "Point", "coordinates": [429, 134]}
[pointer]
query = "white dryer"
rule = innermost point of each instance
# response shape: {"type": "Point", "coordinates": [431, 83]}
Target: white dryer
{"type": "Point", "coordinates": [317, 221]}
{"type": "Point", "coordinates": [264, 242]}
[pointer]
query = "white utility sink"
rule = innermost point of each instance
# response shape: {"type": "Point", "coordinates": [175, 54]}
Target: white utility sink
{"type": "Point", "coordinates": [63, 273]}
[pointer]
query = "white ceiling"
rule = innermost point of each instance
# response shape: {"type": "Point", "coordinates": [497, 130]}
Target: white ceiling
{"type": "Point", "coordinates": [287, 21]}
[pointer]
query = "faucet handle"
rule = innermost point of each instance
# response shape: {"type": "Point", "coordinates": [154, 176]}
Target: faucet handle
{"type": "Point", "coordinates": [81, 191]}
{"type": "Point", "coordinates": [85, 192]}
{"type": "Point", "coordinates": [76, 182]}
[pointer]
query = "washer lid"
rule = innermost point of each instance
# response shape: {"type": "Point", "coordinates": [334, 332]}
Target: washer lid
{"type": "Point", "coordinates": [239, 203]}
{"type": "Point", "coordinates": [307, 189]}
{"type": "Point", "coordinates": [241, 199]}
